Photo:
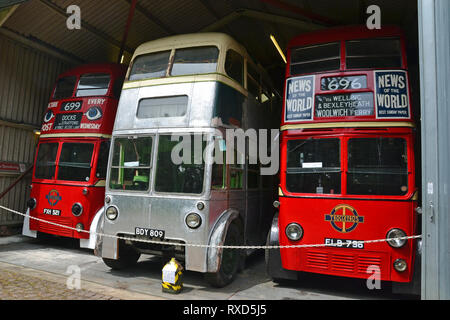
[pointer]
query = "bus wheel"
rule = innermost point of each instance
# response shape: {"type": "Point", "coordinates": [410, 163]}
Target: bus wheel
{"type": "Point", "coordinates": [231, 260]}
{"type": "Point", "coordinates": [128, 256]}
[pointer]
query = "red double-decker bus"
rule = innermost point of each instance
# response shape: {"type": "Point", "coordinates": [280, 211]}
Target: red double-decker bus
{"type": "Point", "coordinates": [347, 172]}
{"type": "Point", "coordinates": [68, 183]}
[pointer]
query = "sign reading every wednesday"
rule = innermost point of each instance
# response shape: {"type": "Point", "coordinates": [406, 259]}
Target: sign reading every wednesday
{"type": "Point", "coordinates": [391, 94]}
{"type": "Point", "coordinates": [299, 98]}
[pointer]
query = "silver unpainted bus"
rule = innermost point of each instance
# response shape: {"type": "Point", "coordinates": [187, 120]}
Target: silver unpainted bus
{"type": "Point", "coordinates": [196, 85]}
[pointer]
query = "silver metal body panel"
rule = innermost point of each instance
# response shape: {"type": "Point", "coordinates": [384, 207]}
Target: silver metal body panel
{"type": "Point", "coordinates": [199, 116]}
{"type": "Point", "coordinates": [168, 211]}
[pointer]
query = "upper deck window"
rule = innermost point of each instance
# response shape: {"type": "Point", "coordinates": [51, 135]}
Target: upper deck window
{"type": "Point", "coordinates": [165, 107]}
{"type": "Point", "coordinates": [64, 87]}
{"type": "Point", "coordinates": [234, 66]}
{"type": "Point", "coordinates": [93, 84]}
{"type": "Point", "coordinates": [373, 53]}
{"type": "Point", "coordinates": [316, 58]}
{"type": "Point", "coordinates": [152, 65]}
{"type": "Point", "coordinates": [195, 60]}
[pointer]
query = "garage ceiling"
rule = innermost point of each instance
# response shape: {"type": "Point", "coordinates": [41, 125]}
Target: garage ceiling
{"type": "Point", "coordinates": [103, 23]}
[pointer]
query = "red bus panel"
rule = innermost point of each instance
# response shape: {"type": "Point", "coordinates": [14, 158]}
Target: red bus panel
{"type": "Point", "coordinates": [68, 183]}
{"type": "Point", "coordinates": [347, 172]}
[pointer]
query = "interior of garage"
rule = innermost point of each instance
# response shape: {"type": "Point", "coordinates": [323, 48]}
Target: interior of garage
{"type": "Point", "coordinates": [36, 45]}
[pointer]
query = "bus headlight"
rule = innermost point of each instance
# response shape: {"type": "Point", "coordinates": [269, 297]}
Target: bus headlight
{"type": "Point", "coordinates": [396, 233]}
{"type": "Point", "coordinates": [31, 203]}
{"type": "Point", "coordinates": [294, 231]}
{"type": "Point", "coordinates": [400, 265]}
{"type": "Point", "coordinates": [111, 213]}
{"type": "Point", "coordinates": [77, 209]}
{"type": "Point", "coordinates": [193, 220]}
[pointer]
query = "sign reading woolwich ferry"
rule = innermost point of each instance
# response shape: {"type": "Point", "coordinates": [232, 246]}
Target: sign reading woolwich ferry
{"type": "Point", "coordinates": [372, 95]}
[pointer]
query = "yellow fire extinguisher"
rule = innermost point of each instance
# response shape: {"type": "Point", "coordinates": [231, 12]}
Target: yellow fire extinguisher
{"type": "Point", "coordinates": [172, 277]}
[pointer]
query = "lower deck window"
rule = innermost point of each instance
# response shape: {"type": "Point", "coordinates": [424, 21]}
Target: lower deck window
{"type": "Point", "coordinates": [46, 161]}
{"type": "Point", "coordinates": [313, 166]}
{"type": "Point", "coordinates": [75, 161]}
{"type": "Point", "coordinates": [374, 166]}
{"type": "Point", "coordinates": [377, 166]}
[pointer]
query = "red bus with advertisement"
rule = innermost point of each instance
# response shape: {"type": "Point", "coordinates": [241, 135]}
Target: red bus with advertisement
{"type": "Point", "coordinates": [68, 182]}
{"type": "Point", "coordinates": [347, 158]}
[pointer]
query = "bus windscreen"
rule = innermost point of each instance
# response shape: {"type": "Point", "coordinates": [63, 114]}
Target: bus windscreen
{"type": "Point", "coordinates": [377, 166]}
{"type": "Point", "coordinates": [75, 161]}
{"type": "Point", "coordinates": [186, 177]}
{"type": "Point", "coordinates": [130, 168]}
{"type": "Point", "coordinates": [313, 166]}
{"type": "Point", "coordinates": [46, 161]}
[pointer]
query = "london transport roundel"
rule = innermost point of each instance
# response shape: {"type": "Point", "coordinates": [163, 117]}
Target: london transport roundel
{"type": "Point", "coordinates": [53, 197]}
{"type": "Point", "coordinates": [344, 218]}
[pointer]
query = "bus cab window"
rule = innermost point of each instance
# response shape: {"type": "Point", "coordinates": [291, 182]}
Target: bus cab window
{"type": "Point", "coordinates": [377, 166]}
{"type": "Point", "coordinates": [253, 80]}
{"type": "Point", "coordinates": [46, 161]}
{"type": "Point", "coordinates": [64, 88]}
{"type": "Point", "coordinates": [75, 161]}
{"type": "Point", "coordinates": [131, 163]}
{"type": "Point", "coordinates": [102, 162]}
{"type": "Point", "coordinates": [234, 66]}
{"type": "Point", "coordinates": [195, 60]}
{"type": "Point", "coordinates": [253, 176]}
{"type": "Point", "coordinates": [237, 171]}
{"type": "Point", "coordinates": [313, 166]}
{"type": "Point", "coordinates": [93, 84]}
{"type": "Point", "coordinates": [219, 176]}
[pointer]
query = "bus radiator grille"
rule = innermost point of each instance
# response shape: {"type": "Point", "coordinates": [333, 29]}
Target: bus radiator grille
{"type": "Point", "coordinates": [52, 229]}
{"type": "Point", "coordinates": [338, 262]}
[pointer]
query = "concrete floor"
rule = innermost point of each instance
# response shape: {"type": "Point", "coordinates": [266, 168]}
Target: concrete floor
{"type": "Point", "coordinates": [47, 258]}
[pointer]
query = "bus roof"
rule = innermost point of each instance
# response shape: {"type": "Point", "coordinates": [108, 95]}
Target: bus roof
{"type": "Point", "coordinates": [344, 33]}
{"type": "Point", "coordinates": [113, 68]}
{"type": "Point", "coordinates": [188, 40]}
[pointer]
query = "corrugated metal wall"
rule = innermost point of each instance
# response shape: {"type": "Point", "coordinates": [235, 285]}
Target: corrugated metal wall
{"type": "Point", "coordinates": [26, 80]}
{"type": "Point", "coordinates": [434, 46]}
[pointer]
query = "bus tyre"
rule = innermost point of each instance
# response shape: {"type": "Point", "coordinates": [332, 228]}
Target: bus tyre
{"type": "Point", "coordinates": [128, 256]}
{"type": "Point", "coordinates": [231, 259]}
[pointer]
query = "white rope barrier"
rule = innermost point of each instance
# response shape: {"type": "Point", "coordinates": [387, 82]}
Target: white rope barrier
{"type": "Point", "coordinates": [204, 245]}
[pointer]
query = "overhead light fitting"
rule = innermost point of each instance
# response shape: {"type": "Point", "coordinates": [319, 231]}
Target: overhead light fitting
{"type": "Point", "coordinates": [275, 43]}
